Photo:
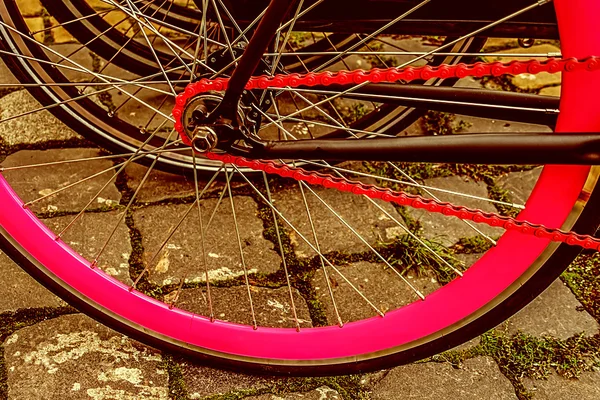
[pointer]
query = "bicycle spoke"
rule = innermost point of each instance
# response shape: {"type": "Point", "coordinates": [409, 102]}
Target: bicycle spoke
{"type": "Point", "coordinates": [297, 232]}
{"type": "Point", "coordinates": [241, 249]}
{"type": "Point", "coordinates": [283, 256]}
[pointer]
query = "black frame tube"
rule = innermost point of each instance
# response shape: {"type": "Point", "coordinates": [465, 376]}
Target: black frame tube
{"type": "Point", "coordinates": [487, 148]}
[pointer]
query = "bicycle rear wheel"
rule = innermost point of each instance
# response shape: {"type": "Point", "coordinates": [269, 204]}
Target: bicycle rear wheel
{"type": "Point", "coordinates": [508, 276]}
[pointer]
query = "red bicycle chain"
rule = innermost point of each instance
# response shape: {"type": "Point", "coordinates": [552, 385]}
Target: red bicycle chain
{"type": "Point", "coordinates": [408, 74]}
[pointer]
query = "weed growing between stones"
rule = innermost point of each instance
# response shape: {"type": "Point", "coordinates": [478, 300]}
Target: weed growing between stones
{"type": "Point", "coordinates": [407, 254]}
{"type": "Point", "coordinates": [497, 193]}
{"type": "Point", "coordinates": [503, 83]}
{"type": "Point", "coordinates": [48, 39]}
{"type": "Point", "coordinates": [348, 386]}
{"type": "Point", "coordinates": [583, 278]}
{"type": "Point", "coordinates": [423, 171]}
{"type": "Point", "coordinates": [472, 245]}
{"type": "Point", "coordinates": [440, 123]}
{"type": "Point", "coordinates": [104, 97]}
{"type": "Point", "coordinates": [3, 377]}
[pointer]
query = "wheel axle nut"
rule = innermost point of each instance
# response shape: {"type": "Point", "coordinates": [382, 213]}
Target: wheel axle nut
{"type": "Point", "coordinates": [205, 139]}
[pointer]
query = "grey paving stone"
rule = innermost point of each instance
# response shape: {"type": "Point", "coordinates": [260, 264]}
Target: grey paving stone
{"type": "Point", "coordinates": [531, 81]}
{"type": "Point", "coordinates": [272, 307]}
{"type": "Point", "coordinates": [484, 125]}
{"type": "Point", "coordinates": [468, 259]}
{"type": "Point", "coordinates": [586, 387]}
{"type": "Point", "coordinates": [137, 113]}
{"type": "Point", "coordinates": [77, 54]}
{"type": "Point", "coordinates": [519, 184]}
{"type": "Point", "coordinates": [551, 91]}
{"type": "Point", "coordinates": [159, 185]}
{"type": "Point", "coordinates": [478, 378]}
{"type": "Point", "coordinates": [364, 217]}
{"type": "Point", "coordinates": [182, 256]}
{"type": "Point", "coordinates": [500, 43]}
{"type": "Point", "coordinates": [553, 313]}
{"type": "Point", "coordinates": [19, 290]}
{"type": "Point", "coordinates": [34, 128]}
{"type": "Point", "coordinates": [320, 393]}
{"type": "Point", "coordinates": [376, 282]}
{"type": "Point", "coordinates": [34, 183]}
{"type": "Point", "coordinates": [74, 357]}
{"type": "Point", "coordinates": [162, 185]}
{"type": "Point", "coordinates": [89, 234]}
{"type": "Point", "coordinates": [448, 230]}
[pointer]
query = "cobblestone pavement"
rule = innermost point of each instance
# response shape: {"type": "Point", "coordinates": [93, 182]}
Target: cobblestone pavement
{"type": "Point", "coordinates": [550, 350]}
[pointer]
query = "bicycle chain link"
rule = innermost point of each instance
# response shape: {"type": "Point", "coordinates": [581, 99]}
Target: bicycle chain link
{"type": "Point", "coordinates": [389, 75]}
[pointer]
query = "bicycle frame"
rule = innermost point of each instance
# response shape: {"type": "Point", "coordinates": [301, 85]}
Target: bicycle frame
{"type": "Point", "coordinates": [536, 148]}
{"type": "Point", "coordinates": [459, 17]}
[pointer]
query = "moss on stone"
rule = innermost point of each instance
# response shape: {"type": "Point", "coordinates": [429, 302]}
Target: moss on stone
{"type": "Point", "coordinates": [522, 355]}
{"type": "Point", "coordinates": [177, 388]}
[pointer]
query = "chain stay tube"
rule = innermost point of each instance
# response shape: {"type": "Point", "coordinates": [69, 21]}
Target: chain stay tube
{"type": "Point", "coordinates": [408, 74]}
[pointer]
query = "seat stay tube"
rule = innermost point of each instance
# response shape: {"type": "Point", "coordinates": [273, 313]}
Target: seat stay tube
{"type": "Point", "coordinates": [262, 37]}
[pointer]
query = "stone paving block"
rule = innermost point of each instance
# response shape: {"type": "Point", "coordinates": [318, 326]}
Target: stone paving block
{"type": "Point", "coordinates": [162, 185]}
{"type": "Point", "coordinates": [36, 24]}
{"type": "Point", "coordinates": [363, 216]}
{"type": "Point", "coordinates": [376, 282]}
{"type": "Point", "coordinates": [531, 81]}
{"type": "Point", "coordinates": [19, 290]}
{"type": "Point", "coordinates": [476, 379]}
{"type": "Point", "coordinates": [553, 313]}
{"type": "Point", "coordinates": [500, 43]}
{"type": "Point", "coordinates": [484, 125]}
{"type": "Point", "coordinates": [182, 256]}
{"type": "Point", "coordinates": [80, 58]}
{"type": "Point", "coordinates": [519, 184]}
{"type": "Point", "coordinates": [320, 393]}
{"type": "Point", "coordinates": [34, 183]}
{"type": "Point", "coordinates": [34, 128]}
{"type": "Point", "coordinates": [30, 7]}
{"type": "Point", "coordinates": [60, 34]}
{"type": "Point", "coordinates": [272, 307]}
{"type": "Point", "coordinates": [88, 235]}
{"type": "Point", "coordinates": [137, 113]}
{"type": "Point", "coordinates": [448, 230]}
{"type": "Point", "coordinates": [586, 387]}
{"type": "Point", "coordinates": [551, 91]}
{"type": "Point", "coordinates": [74, 357]}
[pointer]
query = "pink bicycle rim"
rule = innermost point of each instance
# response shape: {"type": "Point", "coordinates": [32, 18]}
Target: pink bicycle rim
{"type": "Point", "coordinates": [484, 281]}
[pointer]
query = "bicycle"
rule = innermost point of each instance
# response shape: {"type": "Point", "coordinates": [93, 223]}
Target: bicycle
{"type": "Point", "coordinates": [226, 119]}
